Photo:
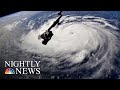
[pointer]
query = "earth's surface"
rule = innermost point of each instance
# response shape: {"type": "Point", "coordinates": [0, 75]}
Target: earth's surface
{"type": "Point", "coordinates": [86, 44]}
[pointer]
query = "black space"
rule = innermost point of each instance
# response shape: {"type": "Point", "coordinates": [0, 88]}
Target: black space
{"type": "Point", "coordinates": [12, 6]}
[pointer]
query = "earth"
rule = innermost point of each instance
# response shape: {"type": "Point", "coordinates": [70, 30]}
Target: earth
{"type": "Point", "coordinates": [85, 45]}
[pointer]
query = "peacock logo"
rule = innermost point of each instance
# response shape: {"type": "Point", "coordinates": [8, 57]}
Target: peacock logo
{"type": "Point", "coordinates": [9, 71]}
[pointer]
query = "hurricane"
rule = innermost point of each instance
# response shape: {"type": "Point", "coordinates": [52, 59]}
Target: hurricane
{"type": "Point", "coordinates": [84, 47]}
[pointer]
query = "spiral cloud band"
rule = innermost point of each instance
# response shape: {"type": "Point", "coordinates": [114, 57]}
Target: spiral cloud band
{"type": "Point", "coordinates": [80, 44]}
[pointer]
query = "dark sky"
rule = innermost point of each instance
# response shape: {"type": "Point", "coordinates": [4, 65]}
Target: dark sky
{"type": "Point", "coordinates": [12, 6]}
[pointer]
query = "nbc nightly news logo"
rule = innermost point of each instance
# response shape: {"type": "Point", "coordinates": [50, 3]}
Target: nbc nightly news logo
{"type": "Point", "coordinates": [22, 67]}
